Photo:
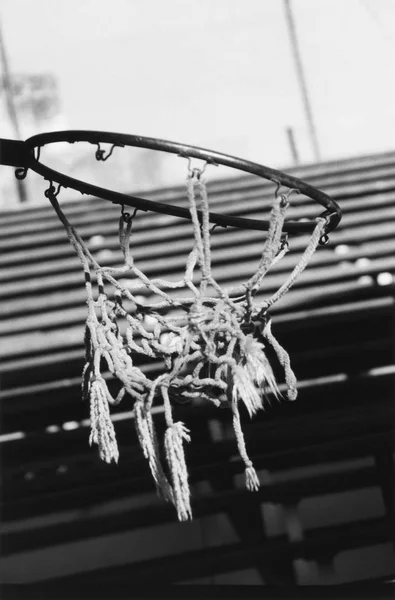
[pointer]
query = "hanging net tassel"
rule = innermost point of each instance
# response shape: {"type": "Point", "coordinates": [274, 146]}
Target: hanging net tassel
{"type": "Point", "coordinates": [102, 429]}
{"type": "Point", "coordinates": [214, 346]}
{"type": "Point", "coordinates": [259, 369]}
{"type": "Point", "coordinates": [245, 389]}
{"type": "Point", "coordinates": [174, 436]}
{"type": "Point", "coordinates": [149, 444]}
{"type": "Point", "coordinates": [251, 476]}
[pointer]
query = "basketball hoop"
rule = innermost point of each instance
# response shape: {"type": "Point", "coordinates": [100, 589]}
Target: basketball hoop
{"type": "Point", "coordinates": [212, 342]}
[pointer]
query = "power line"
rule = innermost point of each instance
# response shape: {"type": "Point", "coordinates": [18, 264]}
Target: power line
{"type": "Point", "coordinates": [302, 79]}
{"type": "Point", "coordinates": [376, 19]}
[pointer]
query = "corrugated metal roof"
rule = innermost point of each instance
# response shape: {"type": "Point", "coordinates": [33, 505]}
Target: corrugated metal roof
{"type": "Point", "coordinates": [337, 323]}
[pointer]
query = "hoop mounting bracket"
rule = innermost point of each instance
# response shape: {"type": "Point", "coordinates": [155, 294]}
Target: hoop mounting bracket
{"type": "Point", "coordinates": [13, 153]}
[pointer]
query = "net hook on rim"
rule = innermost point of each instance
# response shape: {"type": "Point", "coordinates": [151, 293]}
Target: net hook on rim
{"type": "Point", "coordinates": [328, 216]}
{"type": "Point", "coordinates": [21, 173]}
{"type": "Point", "coordinates": [284, 195]}
{"type": "Point", "coordinates": [196, 171]}
{"type": "Point", "coordinates": [100, 154]}
{"type": "Point", "coordinates": [127, 217]}
{"type": "Point", "coordinates": [51, 191]}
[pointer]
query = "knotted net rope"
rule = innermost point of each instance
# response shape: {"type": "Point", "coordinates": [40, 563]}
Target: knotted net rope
{"type": "Point", "coordinates": [214, 347]}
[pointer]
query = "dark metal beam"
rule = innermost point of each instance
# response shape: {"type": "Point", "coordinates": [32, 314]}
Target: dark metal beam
{"type": "Point", "coordinates": [236, 502]}
{"type": "Point", "coordinates": [223, 559]}
{"type": "Point", "coordinates": [83, 493]}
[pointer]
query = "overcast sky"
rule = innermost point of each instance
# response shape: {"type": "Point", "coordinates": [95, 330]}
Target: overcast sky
{"type": "Point", "coordinates": [215, 73]}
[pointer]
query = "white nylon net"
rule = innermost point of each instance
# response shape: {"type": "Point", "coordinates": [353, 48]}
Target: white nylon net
{"type": "Point", "coordinates": [214, 347]}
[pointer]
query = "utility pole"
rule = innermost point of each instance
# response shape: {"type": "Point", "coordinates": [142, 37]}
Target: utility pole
{"type": "Point", "coordinates": [301, 79]}
{"type": "Point", "coordinates": [7, 87]}
{"type": "Point", "coordinates": [292, 145]}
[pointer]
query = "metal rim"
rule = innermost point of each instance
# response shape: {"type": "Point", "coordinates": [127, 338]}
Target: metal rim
{"type": "Point", "coordinates": [332, 213]}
